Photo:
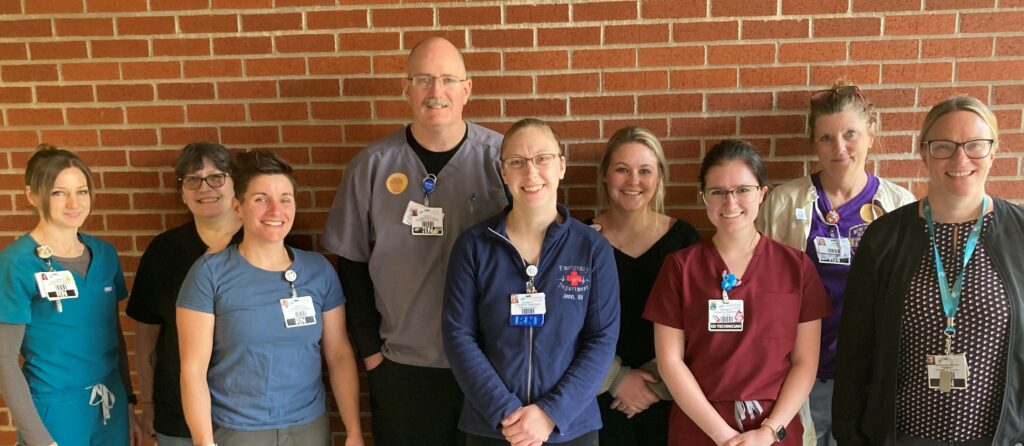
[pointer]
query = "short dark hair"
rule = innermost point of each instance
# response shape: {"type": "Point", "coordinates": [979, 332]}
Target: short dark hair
{"type": "Point", "coordinates": [258, 162]}
{"type": "Point", "coordinates": [734, 150]}
{"type": "Point", "coordinates": [43, 168]}
{"type": "Point", "coordinates": [192, 155]}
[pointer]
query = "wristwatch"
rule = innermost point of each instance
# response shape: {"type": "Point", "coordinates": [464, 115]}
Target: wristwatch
{"type": "Point", "coordinates": [780, 432]}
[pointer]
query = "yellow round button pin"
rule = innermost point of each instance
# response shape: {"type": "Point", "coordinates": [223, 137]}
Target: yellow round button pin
{"type": "Point", "coordinates": [397, 182]}
{"type": "Point", "coordinates": [870, 211]}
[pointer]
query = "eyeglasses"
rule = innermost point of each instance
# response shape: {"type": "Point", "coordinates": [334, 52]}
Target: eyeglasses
{"type": "Point", "coordinates": [975, 149]}
{"type": "Point", "coordinates": [743, 195]}
{"type": "Point", "coordinates": [426, 82]}
{"type": "Point", "coordinates": [838, 92]}
{"type": "Point", "coordinates": [519, 163]}
{"type": "Point", "coordinates": [193, 182]}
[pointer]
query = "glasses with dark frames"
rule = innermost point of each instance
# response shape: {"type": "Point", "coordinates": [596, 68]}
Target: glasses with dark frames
{"type": "Point", "coordinates": [194, 182]}
{"type": "Point", "coordinates": [943, 149]}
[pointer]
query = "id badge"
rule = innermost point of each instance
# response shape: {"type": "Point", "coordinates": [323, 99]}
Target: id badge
{"type": "Point", "coordinates": [835, 251]}
{"type": "Point", "coordinates": [947, 372]}
{"type": "Point", "coordinates": [56, 285]}
{"type": "Point", "coordinates": [527, 310]}
{"type": "Point", "coordinates": [298, 311]}
{"type": "Point", "coordinates": [412, 209]}
{"type": "Point", "coordinates": [428, 221]}
{"type": "Point", "coordinates": [725, 315]}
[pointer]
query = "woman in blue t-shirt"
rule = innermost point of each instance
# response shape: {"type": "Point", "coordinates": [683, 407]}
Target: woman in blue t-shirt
{"type": "Point", "coordinates": [252, 320]}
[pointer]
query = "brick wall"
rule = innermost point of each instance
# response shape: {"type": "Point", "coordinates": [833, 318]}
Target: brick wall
{"type": "Point", "coordinates": [125, 83]}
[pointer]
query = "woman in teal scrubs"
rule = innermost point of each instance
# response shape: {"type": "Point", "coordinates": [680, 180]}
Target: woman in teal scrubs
{"type": "Point", "coordinates": [59, 307]}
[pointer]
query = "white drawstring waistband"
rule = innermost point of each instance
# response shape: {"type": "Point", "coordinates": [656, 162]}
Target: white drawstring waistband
{"type": "Point", "coordinates": [105, 400]}
{"type": "Point", "coordinates": [743, 409]}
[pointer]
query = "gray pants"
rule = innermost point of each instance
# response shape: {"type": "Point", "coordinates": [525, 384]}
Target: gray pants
{"type": "Point", "coordinates": [821, 410]}
{"type": "Point", "coordinates": [166, 440]}
{"type": "Point", "coordinates": [314, 433]}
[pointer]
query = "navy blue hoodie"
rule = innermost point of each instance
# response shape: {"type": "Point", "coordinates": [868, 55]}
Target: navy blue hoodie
{"type": "Point", "coordinates": [557, 366]}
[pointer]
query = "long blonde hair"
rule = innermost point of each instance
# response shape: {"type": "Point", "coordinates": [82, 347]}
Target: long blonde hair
{"type": "Point", "coordinates": [640, 135]}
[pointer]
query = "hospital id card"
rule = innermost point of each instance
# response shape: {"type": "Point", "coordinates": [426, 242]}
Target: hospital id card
{"type": "Point", "coordinates": [56, 285]}
{"type": "Point", "coordinates": [947, 372]}
{"type": "Point", "coordinates": [832, 250]}
{"type": "Point", "coordinates": [527, 310]}
{"type": "Point", "coordinates": [298, 311]}
{"type": "Point", "coordinates": [428, 221]}
{"type": "Point", "coordinates": [725, 315]}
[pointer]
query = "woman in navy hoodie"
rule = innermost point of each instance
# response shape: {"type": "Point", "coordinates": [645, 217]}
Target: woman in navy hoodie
{"type": "Point", "coordinates": [531, 312]}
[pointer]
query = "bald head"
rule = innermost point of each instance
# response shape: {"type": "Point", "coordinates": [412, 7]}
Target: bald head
{"type": "Point", "coordinates": [436, 49]}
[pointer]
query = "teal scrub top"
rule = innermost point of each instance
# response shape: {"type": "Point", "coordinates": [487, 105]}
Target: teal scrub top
{"type": "Point", "coordinates": [74, 348]}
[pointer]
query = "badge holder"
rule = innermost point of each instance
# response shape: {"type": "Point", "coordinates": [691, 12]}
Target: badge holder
{"type": "Point", "coordinates": [528, 309]}
{"type": "Point", "coordinates": [423, 219]}
{"type": "Point", "coordinates": [297, 311]}
{"type": "Point", "coordinates": [54, 285]}
{"type": "Point", "coordinates": [726, 314]}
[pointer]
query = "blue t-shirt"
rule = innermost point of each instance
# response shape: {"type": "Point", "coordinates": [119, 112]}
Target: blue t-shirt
{"type": "Point", "coordinates": [77, 347]}
{"type": "Point", "coordinates": [262, 374]}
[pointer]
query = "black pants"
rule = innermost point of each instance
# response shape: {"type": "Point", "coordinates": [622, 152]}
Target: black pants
{"type": "Point", "coordinates": [587, 439]}
{"type": "Point", "coordinates": [647, 428]}
{"type": "Point", "coordinates": [415, 406]}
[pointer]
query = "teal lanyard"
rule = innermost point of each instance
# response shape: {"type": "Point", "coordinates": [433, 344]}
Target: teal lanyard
{"type": "Point", "coordinates": [951, 298]}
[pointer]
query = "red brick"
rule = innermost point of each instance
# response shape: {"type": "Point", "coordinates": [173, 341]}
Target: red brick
{"type": "Point", "coordinates": [15, 95]}
{"type": "Point", "coordinates": [394, 109]}
{"type": "Point", "coordinates": [185, 90]}
{"type": "Point", "coordinates": [603, 11]}
{"type": "Point", "coordinates": [391, 64]}
{"type": "Point", "coordinates": [776, 29]}
{"type": "Point", "coordinates": [739, 101]}
{"type": "Point", "coordinates": [615, 34]}
{"type": "Point", "coordinates": [308, 88]}
{"type": "Point", "coordinates": [159, 201]}
{"type": "Point", "coordinates": [574, 36]}
{"type": "Point", "coordinates": [95, 115]}
{"type": "Point", "coordinates": [213, 68]}
{"type": "Point", "coordinates": [217, 112]}
{"type": "Point", "coordinates": [772, 125]}
{"type": "Point", "coordinates": [636, 81]}
{"type": "Point", "coordinates": [242, 45]}
{"type": "Point", "coordinates": [741, 8]}
{"type": "Point", "coordinates": [70, 93]}
{"type": "Point", "coordinates": [571, 82]}
{"type": "Point", "coordinates": [203, 24]}
{"type": "Point", "coordinates": [1008, 70]}
{"type": "Point", "coordinates": [957, 48]}
{"type": "Point", "coordinates": [372, 41]}
{"type": "Point", "coordinates": [402, 17]}
{"type": "Point", "coordinates": [145, 26]}
{"type": "Point", "coordinates": [169, 70]}
{"type": "Point", "coordinates": [1008, 94]}
{"type": "Point", "coordinates": [185, 135]}
{"type": "Point", "coordinates": [891, 97]}
{"type": "Point", "coordinates": [488, 61]}
{"type": "Point", "coordinates": [341, 110]}
{"type": "Point", "coordinates": [902, 121]}
{"type": "Point", "coordinates": [806, 7]}
{"type": "Point", "coordinates": [336, 19]}
{"type": "Point", "coordinates": [158, 114]}
{"type": "Point", "coordinates": [711, 126]}
{"type": "Point", "coordinates": [886, 5]}
{"type": "Point", "coordinates": [917, 73]}
{"type": "Point", "coordinates": [285, 3]}
{"type": "Point", "coordinates": [884, 49]}
{"type": "Point", "coordinates": [247, 90]}
{"type": "Point", "coordinates": [127, 138]}
{"type": "Point", "coordinates": [339, 65]}
{"type": "Point", "coordinates": [84, 27]}
{"type": "Point", "coordinates": [1010, 46]}
{"type": "Point", "coordinates": [9, 8]}
{"type": "Point", "coordinates": [26, 28]}
{"type": "Point", "coordinates": [703, 78]}
{"type": "Point", "coordinates": [846, 27]}
{"type": "Point", "coordinates": [539, 13]}
{"type": "Point", "coordinates": [501, 85]}
{"type": "Point", "coordinates": [275, 67]}
{"type": "Point", "coordinates": [601, 105]}
{"type": "Point", "coordinates": [28, 73]}
{"type": "Point", "coordinates": [535, 107]}
{"type": "Point", "coordinates": [178, 5]}
{"type": "Point", "coordinates": [90, 71]}
{"type": "Point", "coordinates": [929, 24]}
{"type": "Point", "coordinates": [15, 139]}
{"type": "Point", "coordinates": [53, 6]}
{"type": "Point", "coordinates": [306, 43]}
{"type": "Point", "coordinates": [371, 87]}
{"type": "Point", "coordinates": [675, 56]}
{"type": "Point", "coordinates": [475, 15]}
{"type": "Point", "coordinates": [120, 48]}
{"type": "Point", "coordinates": [756, 54]}
{"type": "Point", "coordinates": [124, 93]}
{"type": "Point", "coordinates": [93, 6]}
{"type": "Point", "coordinates": [537, 60]}
{"type": "Point", "coordinates": [991, 22]}
{"type": "Point", "coordinates": [271, 22]}
{"type": "Point", "coordinates": [936, 5]}
{"type": "Point", "coordinates": [57, 50]}
{"type": "Point", "coordinates": [501, 38]}
{"type": "Point", "coordinates": [321, 133]}
{"type": "Point", "coordinates": [456, 36]}
{"type": "Point", "coordinates": [70, 138]}
{"type": "Point", "coordinates": [609, 58]}
{"type": "Point", "coordinates": [13, 51]}
{"type": "Point", "coordinates": [250, 135]}
{"type": "Point", "coordinates": [134, 222]}
{"type": "Point", "coordinates": [705, 31]}
{"type": "Point", "coordinates": [934, 95]}
{"type": "Point", "coordinates": [181, 47]}
{"type": "Point", "coordinates": [860, 74]}
{"type": "Point", "coordinates": [812, 52]}
{"type": "Point", "coordinates": [669, 103]}
{"type": "Point", "coordinates": [773, 76]}
{"type": "Point", "coordinates": [657, 9]}
{"type": "Point", "coordinates": [35, 116]}
{"type": "Point", "coordinates": [242, 4]}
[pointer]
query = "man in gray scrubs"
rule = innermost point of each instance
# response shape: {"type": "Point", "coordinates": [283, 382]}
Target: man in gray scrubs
{"type": "Point", "coordinates": [399, 208]}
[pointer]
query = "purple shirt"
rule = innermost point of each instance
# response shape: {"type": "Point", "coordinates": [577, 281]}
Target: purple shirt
{"type": "Point", "coordinates": [851, 225]}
